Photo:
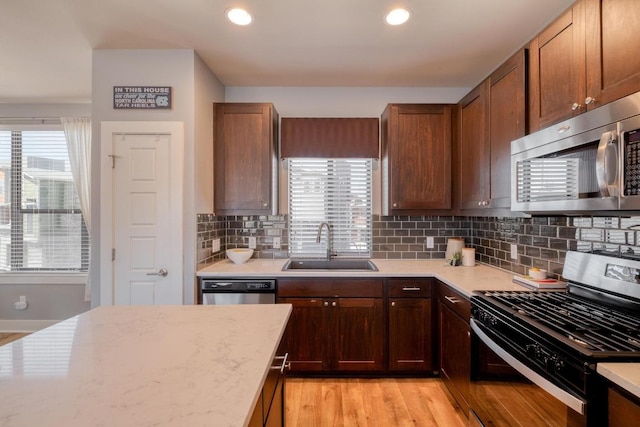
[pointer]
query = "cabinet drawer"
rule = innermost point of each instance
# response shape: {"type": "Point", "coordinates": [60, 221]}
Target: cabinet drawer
{"type": "Point", "coordinates": [409, 287]}
{"type": "Point", "coordinates": [455, 301]}
{"type": "Point", "coordinates": [330, 288]}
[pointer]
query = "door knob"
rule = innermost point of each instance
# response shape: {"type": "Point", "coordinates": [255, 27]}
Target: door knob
{"type": "Point", "coordinates": [162, 272]}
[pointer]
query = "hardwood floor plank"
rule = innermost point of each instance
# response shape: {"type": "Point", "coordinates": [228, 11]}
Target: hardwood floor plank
{"type": "Point", "coordinates": [364, 402]}
{"type": "Point", "coordinates": [7, 337]}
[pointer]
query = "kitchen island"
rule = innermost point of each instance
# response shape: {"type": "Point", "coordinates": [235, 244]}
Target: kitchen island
{"type": "Point", "coordinates": [142, 365]}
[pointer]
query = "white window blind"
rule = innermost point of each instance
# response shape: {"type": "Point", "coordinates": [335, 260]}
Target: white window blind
{"type": "Point", "coordinates": [41, 224]}
{"type": "Point", "coordinates": [337, 191]}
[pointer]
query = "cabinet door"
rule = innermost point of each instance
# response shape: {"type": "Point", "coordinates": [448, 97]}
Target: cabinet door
{"type": "Point", "coordinates": [244, 158]}
{"type": "Point", "coordinates": [307, 338]}
{"type": "Point", "coordinates": [410, 329]}
{"type": "Point", "coordinates": [275, 415]}
{"type": "Point", "coordinates": [622, 410]}
{"type": "Point", "coordinates": [416, 151]}
{"type": "Point", "coordinates": [557, 70]}
{"type": "Point", "coordinates": [474, 162]}
{"type": "Point", "coordinates": [455, 350]}
{"type": "Point", "coordinates": [357, 325]}
{"type": "Point", "coordinates": [613, 43]}
{"type": "Point", "coordinates": [507, 121]}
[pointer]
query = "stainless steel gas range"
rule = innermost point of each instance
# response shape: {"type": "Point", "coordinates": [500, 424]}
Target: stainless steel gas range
{"type": "Point", "coordinates": [552, 343]}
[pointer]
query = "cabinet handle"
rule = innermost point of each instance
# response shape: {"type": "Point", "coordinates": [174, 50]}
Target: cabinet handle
{"type": "Point", "coordinates": [575, 106]}
{"type": "Point", "coordinates": [393, 303]}
{"type": "Point", "coordinates": [333, 304]}
{"type": "Point", "coordinates": [589, 100]}
{"type": "Point", "coordinates": [265, 205]}
{"type": "Point", "coordinates": [564, 128]}
{"type": "Point", "coordinates": [480, 203]}
{"type": "Point", "coordinates": [452, 300]}
{"type": "Point", "coordinates": [326, 303]}
{"type": "Point", "coordinates": [411, 288]}
{"type": "Point", "coordinates": [395, 205]}
{"type": "Point", "coordinates": [284, 365]}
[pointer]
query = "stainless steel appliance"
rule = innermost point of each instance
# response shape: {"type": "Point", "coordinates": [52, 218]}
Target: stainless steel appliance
{"type": "Point", "coordinates": [215, 291]}
{"type": "Point", "coordinates": [549, 344]}
{"type": "Point", "coordinates": [588, 163]}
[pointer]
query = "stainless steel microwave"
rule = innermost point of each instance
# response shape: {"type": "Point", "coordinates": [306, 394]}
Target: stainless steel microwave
{"type": "Point", "coordinates": [588, 163]}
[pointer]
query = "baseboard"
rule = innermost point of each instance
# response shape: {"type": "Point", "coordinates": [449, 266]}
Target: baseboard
{"type": "Point", "coordinates": [25, 325]}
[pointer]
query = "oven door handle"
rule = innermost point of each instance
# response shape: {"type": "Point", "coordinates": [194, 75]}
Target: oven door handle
{"type": "Point", "coordinates": [568, 399]}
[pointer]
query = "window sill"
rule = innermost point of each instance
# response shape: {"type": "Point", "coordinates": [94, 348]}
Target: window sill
{"type": "Point", "coordinates": [49, 278]}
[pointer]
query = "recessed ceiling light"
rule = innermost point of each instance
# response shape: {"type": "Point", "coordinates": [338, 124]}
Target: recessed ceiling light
{"type": "Point", "coordinates": [397, 17]}
{"type": "Point", "coordinates": [239, 16]}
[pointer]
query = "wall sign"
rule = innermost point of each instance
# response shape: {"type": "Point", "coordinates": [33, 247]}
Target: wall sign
{"type": "Point", "coordinates": [142, 97]}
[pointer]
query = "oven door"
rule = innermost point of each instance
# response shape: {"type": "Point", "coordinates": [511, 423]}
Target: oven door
{"type": "Point", "coordinates": [517, 396]}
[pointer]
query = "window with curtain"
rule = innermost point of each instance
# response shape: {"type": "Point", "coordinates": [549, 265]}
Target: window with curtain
{"type": "Point", "coordinates": [41, 224]}
{"type": "Point", "coordinates": [337, 191]}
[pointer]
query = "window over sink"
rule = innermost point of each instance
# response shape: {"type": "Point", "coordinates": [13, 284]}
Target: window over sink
{"type": "Point", "coordinates": [337, 191]}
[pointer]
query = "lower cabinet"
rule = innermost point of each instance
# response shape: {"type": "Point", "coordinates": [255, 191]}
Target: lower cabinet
{"type": "Point", "coordinates": [411, 323]}
{"type": "Point", "coordinates": [337, 325]}
{"type": "Point", "coordinates": [269, 410]}
{"type": "Point", "coordinates": [455, 344]}
{"type": "Point", "coordinates": [623, 411]}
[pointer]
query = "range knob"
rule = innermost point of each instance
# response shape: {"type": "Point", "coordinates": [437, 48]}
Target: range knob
{"type": "Point", "coordinates": [558, 364]}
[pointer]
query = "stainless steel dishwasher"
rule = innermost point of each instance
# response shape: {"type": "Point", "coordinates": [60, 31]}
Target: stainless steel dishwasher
{"type": "Point", "coordinates": [217, 291]}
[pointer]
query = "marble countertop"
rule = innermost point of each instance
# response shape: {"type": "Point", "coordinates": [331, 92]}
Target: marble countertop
{"type": "Point", "coordinates": [464, 279]}
{"type": "Point", "coordinates": [142, 365]}
{"type": "Point", "coordinates": [625, 375]}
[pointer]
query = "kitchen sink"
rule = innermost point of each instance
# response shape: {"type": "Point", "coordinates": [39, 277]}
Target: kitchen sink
{"type": "Point", "coordinates": [334, 264]}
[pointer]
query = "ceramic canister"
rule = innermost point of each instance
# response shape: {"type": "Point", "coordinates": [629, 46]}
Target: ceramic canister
{"type": "Point", "coordinates": [454, 244]}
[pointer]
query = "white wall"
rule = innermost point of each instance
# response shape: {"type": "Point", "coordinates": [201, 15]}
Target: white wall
{"type": "Point", "coordinates": [183, 71]}
{"type": "Point", "coordinates": [341, 101]}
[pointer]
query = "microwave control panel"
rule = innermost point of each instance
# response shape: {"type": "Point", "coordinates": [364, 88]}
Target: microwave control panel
{"type": "Point", "coordinates": [632, 163]}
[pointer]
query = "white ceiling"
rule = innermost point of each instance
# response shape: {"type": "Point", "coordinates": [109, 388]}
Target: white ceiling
{"type": "Point", "coordinates": [45, 45]}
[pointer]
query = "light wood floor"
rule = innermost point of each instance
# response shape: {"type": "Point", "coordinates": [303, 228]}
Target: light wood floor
{"type": "Point", "coordinates": [7, 337]}
{"type": "Point", "coordinates": [380, 402]}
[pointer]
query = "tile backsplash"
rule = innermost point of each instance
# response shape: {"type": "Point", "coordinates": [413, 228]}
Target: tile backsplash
{"type": "Point", "coordinates": [542, 241]}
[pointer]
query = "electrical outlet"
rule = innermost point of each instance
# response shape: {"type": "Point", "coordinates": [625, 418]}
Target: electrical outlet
{"type": "Point", "coordinates": [22, 304]}
{"type": "Point", "coordinates": [430, 243]}
{"type": "Point", "coordinates": [252, 242]}
{"type": "Point", "coordinates": [514, 251]}
{"type": "Point", "coordinates": [276, 243]}
{"type": "Point", "coordinates": [216, 246]}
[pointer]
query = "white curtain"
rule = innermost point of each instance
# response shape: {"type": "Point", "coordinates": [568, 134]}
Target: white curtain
{"type": "Point", "coordinates": [77, 131]}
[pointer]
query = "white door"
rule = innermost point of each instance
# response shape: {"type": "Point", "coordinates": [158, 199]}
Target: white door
{"type": "Point", "coordinates": [145, 167]}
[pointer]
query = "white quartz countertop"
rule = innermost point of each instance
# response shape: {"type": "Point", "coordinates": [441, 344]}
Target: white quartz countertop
{"type": "Point", "coordinates": [142, 366]}
{"type": "Point", "coordinates": [625, 375]}
{"type": "Point", "coordinates": [464, 279]}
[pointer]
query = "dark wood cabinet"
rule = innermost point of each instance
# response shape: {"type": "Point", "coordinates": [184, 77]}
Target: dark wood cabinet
{"type": "Point", "coordinates": [557, 70]}
{"type": "Point", "coordinates": [411, 324]}
{"type": "Point", "coordinates": [507, 121]}
{"type": "Point", "coordinates": [455, 344]}
{"type": "Point", "coordinates": [245, 159]}
{"type": "Point", "coordinates": [488, 119]}
{"type": "Point", "coordinates": [416, 158]}
{"type": "Point", "coordinates": [269, 409]}
{"type": "Point", "coordinates": [623, 411]}
{"type": "Point", "coordinates": [337, 325]}
{"type": "Point", "coordinates": [612, 43]}
{"type": "Point", "coordinates": [474, 150]}
{"type": "Point", "coordinates": [583, 60]}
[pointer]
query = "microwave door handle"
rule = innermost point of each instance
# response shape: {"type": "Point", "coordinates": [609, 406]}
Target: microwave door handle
{"type": "Point", "coordinates": [606, 163]}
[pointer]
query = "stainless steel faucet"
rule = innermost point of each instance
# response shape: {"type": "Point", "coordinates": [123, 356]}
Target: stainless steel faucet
{"type": "Point", "coordinates": [329, 238]}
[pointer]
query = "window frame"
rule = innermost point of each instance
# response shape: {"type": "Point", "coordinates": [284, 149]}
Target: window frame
{"type": "Point", "coordinates": [303, 248]}
{"type": "Point", "coordinates": [18, 274]}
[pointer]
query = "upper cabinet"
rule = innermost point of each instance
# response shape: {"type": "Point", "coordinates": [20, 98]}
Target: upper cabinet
{"type": "Point", "coordinates": [584, 60]}
{"type": "Point", "coordinates": [488, 119]}
{"type": "Point", "coordinates": [416, 158]}
{"type": "Point", "coordinates": [245, 159]}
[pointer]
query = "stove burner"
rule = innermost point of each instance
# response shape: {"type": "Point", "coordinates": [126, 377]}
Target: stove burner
{"type": "Point", "coordinates": [584, 323]}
